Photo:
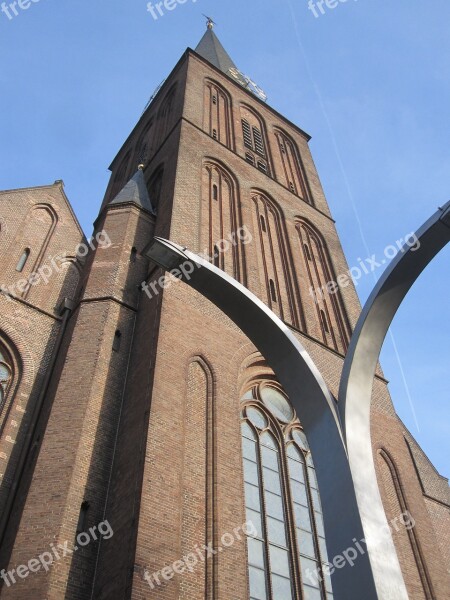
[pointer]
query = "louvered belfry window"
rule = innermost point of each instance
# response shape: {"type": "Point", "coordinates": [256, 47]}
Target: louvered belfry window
{"type": "Point", "coordinates": [253, 138]}
{"type": "Point", "coordinates": [247, 132]}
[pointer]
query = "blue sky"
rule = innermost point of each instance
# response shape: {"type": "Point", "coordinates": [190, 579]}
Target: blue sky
{"type": "Point", "coordinates": [369, 80]}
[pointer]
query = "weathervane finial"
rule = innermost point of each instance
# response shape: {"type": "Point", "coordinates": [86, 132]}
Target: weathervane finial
{"type": "Point", "coordinates": [209, 22]}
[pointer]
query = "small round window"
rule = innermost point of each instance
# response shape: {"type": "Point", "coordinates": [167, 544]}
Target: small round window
{"type": "Point", "coordinates": [277, 403]}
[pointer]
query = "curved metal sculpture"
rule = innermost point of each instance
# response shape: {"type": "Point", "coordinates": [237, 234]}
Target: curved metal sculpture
{"type": "Point", "coordinates": [339, 435]}
{"type": "Point", "coordinates": [360, 364]}
{"type": "Point", "coordinates": [313, 402]}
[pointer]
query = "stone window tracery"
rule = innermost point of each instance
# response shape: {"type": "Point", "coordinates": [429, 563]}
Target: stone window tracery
{"type": "Point", "coordinates": [6, 375]}
{"type": "Point", "coordinates": [287, 549]}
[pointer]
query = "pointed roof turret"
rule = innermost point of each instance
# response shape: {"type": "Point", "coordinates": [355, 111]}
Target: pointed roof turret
{"type": "Point", "coordinates": [212, 50]}
{"type": "Point", "coordinates": [136, 191]}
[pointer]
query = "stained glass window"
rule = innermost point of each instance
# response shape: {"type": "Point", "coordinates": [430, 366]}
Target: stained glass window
{"type": "Point", "coordinates": [288, 550]}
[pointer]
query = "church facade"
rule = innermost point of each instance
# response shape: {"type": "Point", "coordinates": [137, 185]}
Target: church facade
{"type": "Point", "coordinates": [147, 450]}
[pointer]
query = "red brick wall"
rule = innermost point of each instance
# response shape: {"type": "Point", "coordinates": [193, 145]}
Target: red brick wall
{"type": "Point", "coordinates": [150, 435]}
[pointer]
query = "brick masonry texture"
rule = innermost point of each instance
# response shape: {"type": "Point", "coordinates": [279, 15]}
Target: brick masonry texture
{"type": "Point", "coordinates": [141, 417]}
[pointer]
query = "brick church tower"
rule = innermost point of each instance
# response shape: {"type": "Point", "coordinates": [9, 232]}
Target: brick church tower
{"type": "Point", "coordinates": [140, 430]}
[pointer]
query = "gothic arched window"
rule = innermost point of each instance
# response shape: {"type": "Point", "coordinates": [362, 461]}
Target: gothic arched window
{"type": "Point", "coordinates": [326, 311]}
{"type": "Point", "coordinates": [143, 147]}
{"type": "Point", "coordinates": [164, 116]}
{"type": "Point", "coordinates": [121, 173]}
{"type": "Point", "coordinates": [293, 172]}
{"type": "Point", "coordinates": [6, 375]}
{"type": "Point", "coordinates": [217, 119]}
{"type": "Point", "coordinates": [287, 550]}
{"type": "Point", "coordinates": [221, 219]}
{"type": "Point", "coordinates": [404, 537]}
{"type": "Point", "coordinates": [274, 258]}
{"type": "Point", "coordinates": [155, 187]}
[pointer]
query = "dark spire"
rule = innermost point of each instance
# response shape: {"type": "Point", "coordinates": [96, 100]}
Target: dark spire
{"type": "Point", "coordinates": [135, 191]}
{"type": "Point", "coordinates": [211, 49]}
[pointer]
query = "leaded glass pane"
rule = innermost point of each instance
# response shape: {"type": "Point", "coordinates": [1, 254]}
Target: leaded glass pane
{"type": "Point", "coordinates": [281, 588]}
{"type": "Point", "coordinates": [272, 481]}
{"type": "Point", "coordinates": [269, 458]}
{"type": "Point", "coordinates": [319, 524]}
{"type": "Point", "coordinates": [315, 499]}
{"type": "Point", "coordinates": [312, 477]}
{"type": "Point", "coordinates": [247, 431]}
{"type": "Point", "coordinates": [255, 552]}
{"type": "Point", "coordinates": [276, 531]}
{"type": "Point", "coordinates": [252, 498]}
{"type": "Point", "coordinates": [300, 438]}
{"type": "Point", "coordinates": [279, 561]}
{"type": "Point", "coordinates": [251, 472]}
{"type": "Point", "coordinates": [277, 403]}
{"type": "Point", "coordinates": [249, 449]}
{"type": "Point", "coordinates": [257, 580]}
{"type": "Point", "coordinates": [327, 578]}
{"type": "Point", "coordinates": [254, 517]}
{"type": "Point", "coordinates": [256, 417]}
{"type": "Point", "coordinates": [299, 492]}
{"type": "Point", "coordinates": [310, 593]}
{"type": "Point", "coordinates": [306, 543]}
{"type": "Point", "coordinates": [296, 471]}
{"type": "Point", "coordinates": [267, 440]}
{"type": "Point", "coordinates": [311, 574]}
{"type": "Point", "coordinates": [247, 396]}
{"type": "Point", "coordinates": [5, 373]}
{"type": "Point", "coordinates": [274, 506]}
{"type": "Point", "coordinates": [294, 452]}
{"type": "Point", "coordinates": [323, 549]}
{"type": "Point", "coordinates": [302, 518]}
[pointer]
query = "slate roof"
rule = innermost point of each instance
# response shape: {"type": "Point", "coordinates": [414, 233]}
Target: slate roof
{"type": "Point", "coordinates": [212, 50]}
{"type": "Point", "coordinates": [135, 191]}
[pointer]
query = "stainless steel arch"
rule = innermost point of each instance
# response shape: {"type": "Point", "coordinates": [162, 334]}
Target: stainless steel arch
{"type": "Point", "coordinates": [312, 401]}
{"type": "Point", "coordinates": [339, 435]}
{"type": "Point", "coordinates": [360, 364]}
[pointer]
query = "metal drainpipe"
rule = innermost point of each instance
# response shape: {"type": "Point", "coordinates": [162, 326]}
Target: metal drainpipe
{"type": "Point", "coordinates": [67, 309]}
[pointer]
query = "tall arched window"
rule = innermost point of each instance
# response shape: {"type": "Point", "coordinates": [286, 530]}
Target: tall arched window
{"type": "Point", "coordinates": [155, 187]}
{"type": "Point", "coordinates": [293, 176]}
{"type": "Point", "coordinates": [6, 375]}
{"type": "Point", "coordinates": [143, 147]}
{"type": "Point", "coordinates": [39, 226]}
{"type": "Point", "coordinates": [274, 259]}
{"type": "Point", "coordinates": [121, 173]}
{"type": "Point", "coordinates": [221, 219]}
{"type": "Point", "coordinates": [287, 552]}
{"type": "Point", "coordinates": [405, 539]}
{"type": "Point", "coordinates": [217, 116]}
{"type": "Point", "coordinates": [325, 314]}
{"type": "Point", "coordinates": [165, 115]}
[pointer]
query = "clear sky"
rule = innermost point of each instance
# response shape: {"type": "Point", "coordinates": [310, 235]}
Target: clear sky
{"type": "Point", "coordinates": [369, 80]}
